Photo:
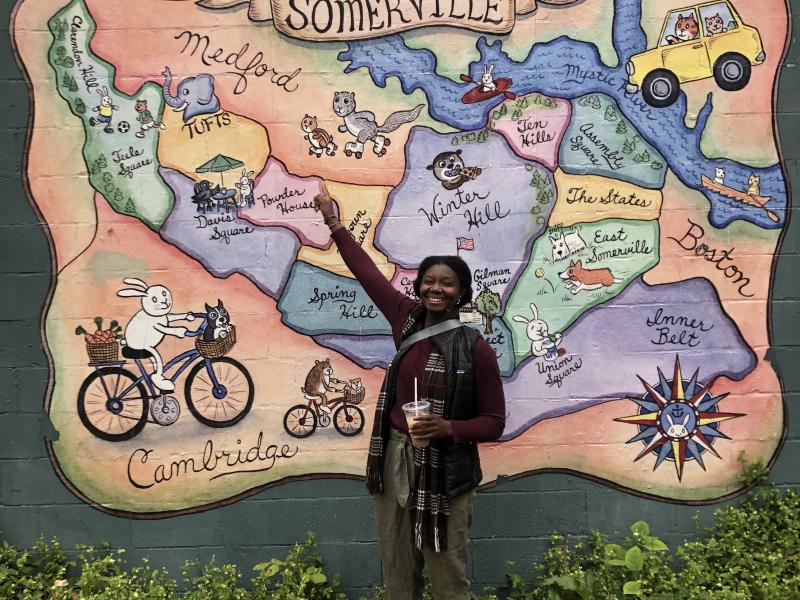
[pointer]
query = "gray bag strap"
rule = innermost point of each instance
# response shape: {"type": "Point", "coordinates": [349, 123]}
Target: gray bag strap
{"type": "Point", "coordinates": [429, 332]}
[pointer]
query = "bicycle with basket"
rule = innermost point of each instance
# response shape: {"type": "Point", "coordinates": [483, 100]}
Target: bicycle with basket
{"type": "Point", "coordinates": [302, 420]}
{"type": "Point", "coordinates": [113, 402]}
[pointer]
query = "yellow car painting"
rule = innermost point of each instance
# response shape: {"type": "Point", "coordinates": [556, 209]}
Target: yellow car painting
{"type": "Point", "coordinates": [696, 42]}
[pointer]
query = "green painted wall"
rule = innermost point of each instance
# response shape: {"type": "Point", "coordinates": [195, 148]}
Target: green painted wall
{"type": "Point", "coordinates": [513, 519]}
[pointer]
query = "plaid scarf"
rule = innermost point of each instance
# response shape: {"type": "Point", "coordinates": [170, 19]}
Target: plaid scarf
{"type": "Point", "coordinates": [428, 503]}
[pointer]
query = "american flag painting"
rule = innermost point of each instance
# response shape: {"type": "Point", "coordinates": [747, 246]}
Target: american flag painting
{"type": "Point", "coordinates": [465, 244]}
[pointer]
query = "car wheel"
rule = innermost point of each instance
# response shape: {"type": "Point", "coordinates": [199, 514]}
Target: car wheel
{"type": "Point", "coordinates": [732, 72]}
{"type": "Point", "coordinates": [660, 88]}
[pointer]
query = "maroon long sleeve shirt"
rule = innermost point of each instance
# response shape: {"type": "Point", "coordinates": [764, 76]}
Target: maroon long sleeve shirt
{"type": "Point", "coordinates": [395, 305]}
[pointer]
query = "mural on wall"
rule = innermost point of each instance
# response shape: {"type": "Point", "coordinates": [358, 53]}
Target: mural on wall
{"type": "Point", "coordinates": [609, 170]}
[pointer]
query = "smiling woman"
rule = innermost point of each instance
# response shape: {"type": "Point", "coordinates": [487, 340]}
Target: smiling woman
{"type": "Point", "coordinates": [442, 283]}
{"type": "Point", "coordinates": [424, 493]}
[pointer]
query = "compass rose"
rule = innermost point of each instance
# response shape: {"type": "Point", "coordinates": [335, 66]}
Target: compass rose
{"type": "Point", "coordinates": [678, 420]}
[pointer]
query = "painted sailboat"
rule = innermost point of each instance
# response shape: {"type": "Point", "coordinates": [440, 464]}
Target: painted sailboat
{"type": "Point", "coordinates": [753, 200]}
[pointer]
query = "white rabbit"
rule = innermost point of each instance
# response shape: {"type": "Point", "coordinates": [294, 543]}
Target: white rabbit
{"type": "Point", "coordinates": [105, 97]}
{"type": "Point", "coordinates": [487, 83]}
{"type": "Point", "coordinates": [105, 111]}
{"type": "Point", "coordinates": [679, 430]}
{"type": "Point", "coordinates": [245, 186]}
{"type": "Point", "coordinates": [542, 344]}
{"type": "Point", "coordinates": [147, 328]}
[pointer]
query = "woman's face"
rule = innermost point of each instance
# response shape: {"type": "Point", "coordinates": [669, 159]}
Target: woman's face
{"type": "Point", "coordinates": [440, 289]}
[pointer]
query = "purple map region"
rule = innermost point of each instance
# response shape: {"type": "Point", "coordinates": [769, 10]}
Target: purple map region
{"type": "Point", "coordinates": [226, 244]}
{"type": "Point", "coordinates": [367, 351]}
{"type": "Point", "coordinates": [490, 209]}
{"type": "Point", "coordinates": [642, 329]}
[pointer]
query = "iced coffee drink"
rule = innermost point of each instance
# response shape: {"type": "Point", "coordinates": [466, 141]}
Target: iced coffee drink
{"type": "Point", "coordinates": [416, 409]}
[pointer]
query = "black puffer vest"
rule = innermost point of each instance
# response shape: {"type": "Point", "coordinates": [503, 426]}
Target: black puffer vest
{"type": "Point", "coordinates": [461, 464]}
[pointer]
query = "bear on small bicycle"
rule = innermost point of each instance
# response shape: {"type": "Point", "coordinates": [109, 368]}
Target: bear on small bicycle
{"type": "Point", "coordinates": [302, 420]}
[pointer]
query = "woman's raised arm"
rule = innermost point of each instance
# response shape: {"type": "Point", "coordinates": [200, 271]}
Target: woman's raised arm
{"type": "Point", "coordinates": [393, 303]}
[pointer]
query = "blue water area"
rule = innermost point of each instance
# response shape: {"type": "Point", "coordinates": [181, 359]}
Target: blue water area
{"type": "Point", "coordinates": [567, 68]}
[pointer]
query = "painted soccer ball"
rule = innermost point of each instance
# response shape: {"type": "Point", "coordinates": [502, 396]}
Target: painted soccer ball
{"type": "Point", "coordinates": [123, 127]}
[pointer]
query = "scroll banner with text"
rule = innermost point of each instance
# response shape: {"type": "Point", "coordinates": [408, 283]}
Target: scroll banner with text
{"type": "Point", "coordinates": [325, 20]}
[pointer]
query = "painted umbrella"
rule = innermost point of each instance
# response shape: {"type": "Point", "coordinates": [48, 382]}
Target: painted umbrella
{"type": "Point", "coordinates": [218, 164]}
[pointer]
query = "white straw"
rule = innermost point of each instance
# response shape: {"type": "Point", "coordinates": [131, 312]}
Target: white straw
{"type": "Point", "coordinates": [416, 402]}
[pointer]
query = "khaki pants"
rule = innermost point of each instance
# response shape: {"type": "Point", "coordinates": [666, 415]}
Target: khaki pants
{"type": "Point", "coordinates": [402, 562]}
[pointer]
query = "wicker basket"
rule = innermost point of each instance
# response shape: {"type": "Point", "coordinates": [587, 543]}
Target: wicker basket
{"type": "Point", "coordinates": [352, 397]}
{"type": "Point", "coordinates": [105, 352]}
{"type": "Point", "coordinates": [219, 347]}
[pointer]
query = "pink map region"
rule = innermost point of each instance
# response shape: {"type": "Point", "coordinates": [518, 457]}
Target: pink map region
{"type": "Point", "coordinates": [285, 200]}
{"type": "Point", "coordinates": [403, 280]}
{"type": "Point", "coordinates": [536, 134]}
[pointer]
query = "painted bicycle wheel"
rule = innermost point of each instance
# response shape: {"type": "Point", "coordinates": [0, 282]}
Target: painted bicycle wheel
{"type": "Point", "coordinates": [223, 400]}
{"type": "Point", "coordinates": [112, 405]}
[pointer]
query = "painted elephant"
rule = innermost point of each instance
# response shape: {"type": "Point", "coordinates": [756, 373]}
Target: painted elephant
{"type": "Point", "coordinates": [195, 95]}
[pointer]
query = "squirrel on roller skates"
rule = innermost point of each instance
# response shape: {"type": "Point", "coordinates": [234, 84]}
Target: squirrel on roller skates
{"type": "Point", "coordinates": [363, 126]}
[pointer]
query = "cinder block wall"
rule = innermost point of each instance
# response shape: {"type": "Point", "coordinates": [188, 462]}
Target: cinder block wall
{"type": "Point", "coordinates": [513, 520]}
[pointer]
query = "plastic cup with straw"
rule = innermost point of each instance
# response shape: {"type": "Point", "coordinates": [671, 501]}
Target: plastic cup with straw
{"type": "Point", "coordinates": [416, 409]}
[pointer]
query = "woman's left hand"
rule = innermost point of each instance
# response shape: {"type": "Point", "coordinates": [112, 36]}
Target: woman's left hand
{"type": "Point", "coordinates": [427, 427]}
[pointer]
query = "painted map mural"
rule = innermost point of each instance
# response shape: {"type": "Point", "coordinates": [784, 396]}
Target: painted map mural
{"type": "Point", "coordinates": [609, 170]}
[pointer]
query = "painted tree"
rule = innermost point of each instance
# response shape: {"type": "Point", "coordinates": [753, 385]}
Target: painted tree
{"type": "Point", "coordinates": [68, 83]}
{"type": "Point", "coordinates": [99, 163]}
{"type": "Point", "coordinates": [62, 58]}
{"type": "Point", "coordinates": [129, 207]}
{"type": "Point", "coordinates": [488, 304]}
{"type": "Point", "coordinates": [628, 147]}
{"type": "Point", "coordinates": [59, 28]}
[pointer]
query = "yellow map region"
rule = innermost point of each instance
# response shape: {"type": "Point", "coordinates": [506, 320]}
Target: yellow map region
{"type": "Point", "coordinates": [589, 198]}
{"type": "Point", "coordinates": [360, 209]}
{"type": "Point", "coordinates": [187, 146]}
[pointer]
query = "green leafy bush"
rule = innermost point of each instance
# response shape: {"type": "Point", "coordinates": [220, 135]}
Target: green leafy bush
{"type": "Point", "coordinates": [33, 573]}
{"type": "Point", "coordinates": [212, 581]}
{"type": "Point", "coordinates": [751, 552]}
{"type": "Point", "coordinates": [297, 577]}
